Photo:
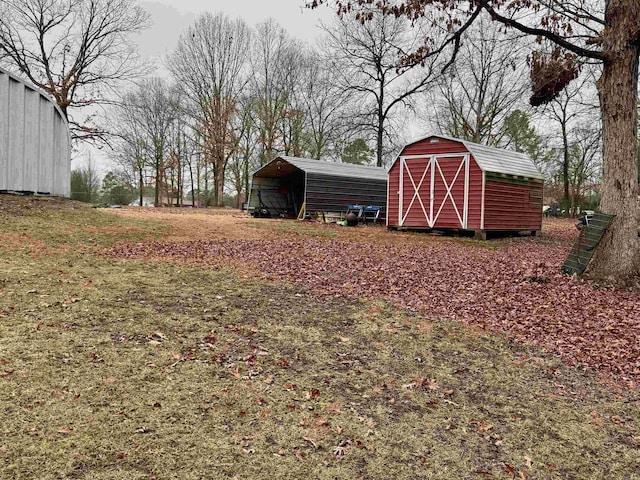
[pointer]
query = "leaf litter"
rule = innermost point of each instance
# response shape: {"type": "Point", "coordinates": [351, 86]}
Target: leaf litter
{"type": "Point", "coordinates": [513, 286]}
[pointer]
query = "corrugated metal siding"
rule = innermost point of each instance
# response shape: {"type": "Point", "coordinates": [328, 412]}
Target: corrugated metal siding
{"type": "Point", "coordinates": [4, 133]}
{"type": "Point", "coordinates": [329, 193]}
{"type": "Point", "coordinates": [281, 195]}
{"type": "Point", "coordinates": [513, 205]}
{"type": "Point", "coordinates": [34, 140]}
{"type": "Point", "coordinates": [325, 186]}
{"type": "Point", "coordinates": [503, 161]}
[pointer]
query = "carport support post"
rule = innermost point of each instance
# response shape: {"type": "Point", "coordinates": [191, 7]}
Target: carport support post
{"type": "Point", "coordinates": [302, 211]}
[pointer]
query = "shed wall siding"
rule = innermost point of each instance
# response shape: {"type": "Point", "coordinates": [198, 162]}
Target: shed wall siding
{"type": "Point", "coordinates": [4, 134]}
{"type": "Point", "coordinates": [474, 219]}
{"type": "Point", "coordinates": [394, 192]}
{"type": "Point", "coordinates": [34, 141]}
{"type": "Point", "coordinates": [513, 206]}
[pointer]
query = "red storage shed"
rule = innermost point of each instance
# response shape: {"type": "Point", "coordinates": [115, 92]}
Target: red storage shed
{"type": "Point", "coordinates": [445, 183]}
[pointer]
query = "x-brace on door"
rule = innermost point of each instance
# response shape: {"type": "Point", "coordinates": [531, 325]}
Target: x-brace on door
{"type": "Point", "coordinates": [434, 191]}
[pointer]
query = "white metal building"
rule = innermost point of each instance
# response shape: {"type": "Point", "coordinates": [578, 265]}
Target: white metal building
{"type": "Point", "coordinates": [35, 147]}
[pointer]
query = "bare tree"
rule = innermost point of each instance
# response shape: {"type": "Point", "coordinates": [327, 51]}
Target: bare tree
{"type": "Point", "coordinates": [209, 64]}
{"type": "Point", "coordinates": [482, 87]}
{"type": "Point", "coordinates": [129, 148]}
{"type": "Point", "coordinates": [585, 162]}
{"type": "Point", "coordinates": [240, 162]}
{"type": "Point", "coordinates": [367, 56]}
{"type": "Point", "coordinates": [76, 50]}
{"type": "Point", "coordinates": [321, 99]}
{"type": "Point", "coordinates": [192, 160]}
{"type": "Point", "coordinates": [179, 157]}
{"type": "Point", "coordinates": [569, 34]}
{"type": "Point", "coordinates": [145, 119]}
{"type": "Point", "coordinates": [573, 109]}
{"type": "Point", "coordinates": [276, 64]}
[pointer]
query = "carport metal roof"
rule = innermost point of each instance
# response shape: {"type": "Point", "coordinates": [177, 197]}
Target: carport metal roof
{"type": "Point", "coordinates": [284, 165]}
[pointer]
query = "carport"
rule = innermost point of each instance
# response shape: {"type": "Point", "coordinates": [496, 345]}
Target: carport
{"type": "Point", "coordinates": [286, 184]}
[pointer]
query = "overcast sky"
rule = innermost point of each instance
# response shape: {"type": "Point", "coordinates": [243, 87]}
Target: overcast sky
{"type": "Point", "coordinates": [170, 17]}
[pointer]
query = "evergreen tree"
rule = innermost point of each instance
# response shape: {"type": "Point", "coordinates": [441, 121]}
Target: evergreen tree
{"type": "Point", "coordinates": [357, 152]}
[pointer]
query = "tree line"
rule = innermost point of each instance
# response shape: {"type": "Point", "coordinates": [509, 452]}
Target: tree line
{"type": "Point", "coordinates": [239, 96]}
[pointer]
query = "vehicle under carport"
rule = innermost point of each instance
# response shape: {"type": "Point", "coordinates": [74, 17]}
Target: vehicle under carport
{"type": "Point", "coordinates": [286, 185]}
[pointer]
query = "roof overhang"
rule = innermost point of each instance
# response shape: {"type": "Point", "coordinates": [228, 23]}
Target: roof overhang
{"type": "Point", "coordinates": [276, 168]}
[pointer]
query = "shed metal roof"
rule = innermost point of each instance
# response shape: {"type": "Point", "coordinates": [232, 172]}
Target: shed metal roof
{"type": "Point", "coordinates": [324, 167]}
{"type": "Point", "coordinates": [497, 160]}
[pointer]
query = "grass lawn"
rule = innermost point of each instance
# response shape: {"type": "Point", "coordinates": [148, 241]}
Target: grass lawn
{"type": "Point", "coordinates": [125, 368]}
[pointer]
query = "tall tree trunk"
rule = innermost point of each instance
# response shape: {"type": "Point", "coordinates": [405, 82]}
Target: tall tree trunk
{"type": "Point", "coordinates": [141, 185]}
{"type": "Point", "coordinates": [215, 185]}
{"type": "Point", "coordinates": [220, 186]}
{"type": "Point", "coordinates": [617, 259]}
{"type": "Point", "coordinates": [246, 179]}
{"type": "Point", "coordinates": [566, 200]}
{"type": "Point", "coordinates": [238, 182]}
{"type": "Point", "coordinates": [158, 181]}
{"type": "Point", "coordinates": [193, 192]}
{"type": "Point", "coordinates": [380, 128]}
{"type": "Point", "coordinates": [379, 143]}
{"type": "Point", "coordinates": [199, 179]}
{"type": "Point", "coordinates": [179, 174]}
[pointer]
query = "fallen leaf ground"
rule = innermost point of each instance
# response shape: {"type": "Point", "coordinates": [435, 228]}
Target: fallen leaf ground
{"type": "Point", "coordinates": [511, 286]}
{"type": "Point", "coordinates": [118, 367]}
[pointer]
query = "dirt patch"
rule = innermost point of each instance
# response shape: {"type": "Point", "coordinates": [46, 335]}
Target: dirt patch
{"type": "Point", "coordinates": [228, 224]}
{"type": "Point", "coordinates": [17, 205]}
{"type": "Point", "coordinates": [195, 224]}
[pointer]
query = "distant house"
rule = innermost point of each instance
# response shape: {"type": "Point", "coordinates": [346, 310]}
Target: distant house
{"type": "Point", "coordinates": [35, 149]}
{"type": "Point", "coordinates": [446, 183]}
{"type": "Point", "coordinates": [286, 184]}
